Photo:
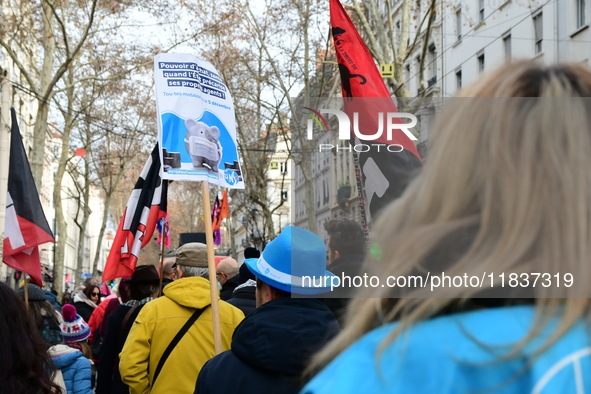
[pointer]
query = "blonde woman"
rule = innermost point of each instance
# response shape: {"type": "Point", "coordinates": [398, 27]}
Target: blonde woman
{"type": "Point", "coordinates": [506, 189]}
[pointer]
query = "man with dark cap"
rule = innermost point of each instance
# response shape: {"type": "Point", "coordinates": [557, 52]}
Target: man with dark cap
{"type": "Point", "coordinates": [243, 296]}
{"type": "Point", "coordinates": [147, 351]}
{"type": "Point", "coordinates": [143, 287]}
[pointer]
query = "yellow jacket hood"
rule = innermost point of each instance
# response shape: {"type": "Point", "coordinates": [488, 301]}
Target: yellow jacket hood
{"type": "Point", "coordinates": [190, 292]}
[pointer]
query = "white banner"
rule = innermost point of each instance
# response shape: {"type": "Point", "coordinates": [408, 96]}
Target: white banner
{"type": "Point", "coordinates": [196, 124]}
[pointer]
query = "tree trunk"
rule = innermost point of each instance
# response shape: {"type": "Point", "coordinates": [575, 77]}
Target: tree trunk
{"type": "Point", "coordinates": [97, 253]}
{"type": "Point", "coordinates": [58, 279]}
{"type": "Point", "coordinates": [234, 255]}
{"type": "Point", "coordinates": [40, 127]}
{"type": "Point", "coordinates": [83, 224]}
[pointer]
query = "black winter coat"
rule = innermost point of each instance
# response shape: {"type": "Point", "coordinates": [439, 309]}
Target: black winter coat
{"type": "Point", "coordinates": [84, 310]}
{"type": "Point", "coordinates": [109, 379]}
{"type": "Point", "coordinates": [244, 298]}
{"type": "Point", "coordinates": [228, 287]}
{"type": "Point", "coordinates": [270, 349]}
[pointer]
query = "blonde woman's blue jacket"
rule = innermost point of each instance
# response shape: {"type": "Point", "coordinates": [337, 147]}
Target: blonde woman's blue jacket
{"type": "Point", "coordinates": [461, 354]}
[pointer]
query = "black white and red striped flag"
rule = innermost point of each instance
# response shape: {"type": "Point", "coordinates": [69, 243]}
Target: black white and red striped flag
{"type": "Point", "coordinates": [385, 172]}
{"type": "Point", "coordinates": [145, 207]}
{"type": "Point", "coordinates": [26, 226]}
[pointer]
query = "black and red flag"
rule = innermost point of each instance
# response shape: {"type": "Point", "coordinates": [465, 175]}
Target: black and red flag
{"type": "Point", "coordinates": [145, 207]}
{"type": "Point", "coordinates": [26, 226]}
{"type": "Point", "coordinates": [384, 172]}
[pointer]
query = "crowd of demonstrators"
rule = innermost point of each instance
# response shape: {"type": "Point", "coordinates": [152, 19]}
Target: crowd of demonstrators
{"type": "Point", "coordinates": [272, 346]}
{"type": "Point", "coordinates": [227, 274]}
{"type": "Point", "coordinates": [514, 198]}
{"type": "Point", "coordinates": [144, 364]}
{"type": "Point", "coordinates": [346, 252]}
{"type": "Point", "coordinates": [506, 189]}
{"type": "Point", "coordinates": [25, 365]}
{"type": "Point", "coordinates": [244, 295]}
{"type": "Point", "coordinates": [72, 358]}
{"type": "Point", "coordinates": [143, 287]}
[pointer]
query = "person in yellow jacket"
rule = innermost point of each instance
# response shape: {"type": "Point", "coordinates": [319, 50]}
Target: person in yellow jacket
{"type": "Point", "coordinates": [160, 320]}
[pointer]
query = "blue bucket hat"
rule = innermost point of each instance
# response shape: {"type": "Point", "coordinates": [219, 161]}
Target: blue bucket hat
{"type": "Point", "coordinates": [295, 261]}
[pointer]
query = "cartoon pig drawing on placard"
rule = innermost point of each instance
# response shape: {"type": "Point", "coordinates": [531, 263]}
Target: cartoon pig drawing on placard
{"type": "Point", "coordinates": [202, 144]}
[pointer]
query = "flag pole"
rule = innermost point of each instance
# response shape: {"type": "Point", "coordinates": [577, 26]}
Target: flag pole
{"type": "Point", "coordinates": [162, 256]}
{"type": "Point", "coordinates": [5, 124]}
{"type": "Point", "coordinates": [26, 291]}
{"type": "Point", "coordinates": [215, 311]}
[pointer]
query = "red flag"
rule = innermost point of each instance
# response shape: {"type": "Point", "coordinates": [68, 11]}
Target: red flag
{"type": "Point", "coordinates": [384, 173]}
{"type": "Point", "coordinates": [26, 226]}
{"type": "Point", "coordinates": [224, 208]}
{"type": "Point", "coordinates": [220, 211]}
{"type": "Point", "coordinates": [145, 207]}
{"type": "Point", "coordinates": [80, 152]}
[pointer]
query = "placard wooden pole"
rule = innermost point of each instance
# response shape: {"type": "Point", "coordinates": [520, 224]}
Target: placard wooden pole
{"type": "Point", "coordinates": [215, 311]}
{"type": "Point", "coordinates": [5, 125]}
{"type": "Point", "coordinates": [26, 291]}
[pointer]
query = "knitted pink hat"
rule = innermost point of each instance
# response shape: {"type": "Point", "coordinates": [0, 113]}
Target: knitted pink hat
{"type": "Point", "coordinates": [74, 328]}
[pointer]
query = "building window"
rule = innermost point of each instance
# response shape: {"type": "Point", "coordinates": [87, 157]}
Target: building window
{"type": "Point", "coordinates": [581, 20]}
{"type": "Point", "coordinates": [507, 45]}
{"type": "Point", "coordinates": [480, 58]}
{"type": "Point", "coordinates": [284, 195]}
{"type": "Point", "coordinates": [481, 10]}
{"type": "Point", "coordinates": [274, 165]}
{"type": "Point", "coordinates": [433, 60]}
{"type": "Point", "coordinates": [459, 23]}
{"type": "Point", "coordinates": [283, 167]}
{"type": "Point", "coordinates": [538, 32]}
{"type": "Point", "coordinates": [458, 79]}
{"type": "Point", "coordinates": [432, 65]}
{"type": "Point", "coordinates": [417, 75]}
{"type": "Point", "coordinates": [407, 72]}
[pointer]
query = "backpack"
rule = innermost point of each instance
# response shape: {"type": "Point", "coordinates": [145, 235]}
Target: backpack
{"type": "Point", "coordinates": [58, 378]}
{"type": "Point", "coordinates": [51, 331]}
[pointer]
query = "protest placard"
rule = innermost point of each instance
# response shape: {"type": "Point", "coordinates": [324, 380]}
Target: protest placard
{"type": "Point", "coordinates": [196, 124]}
